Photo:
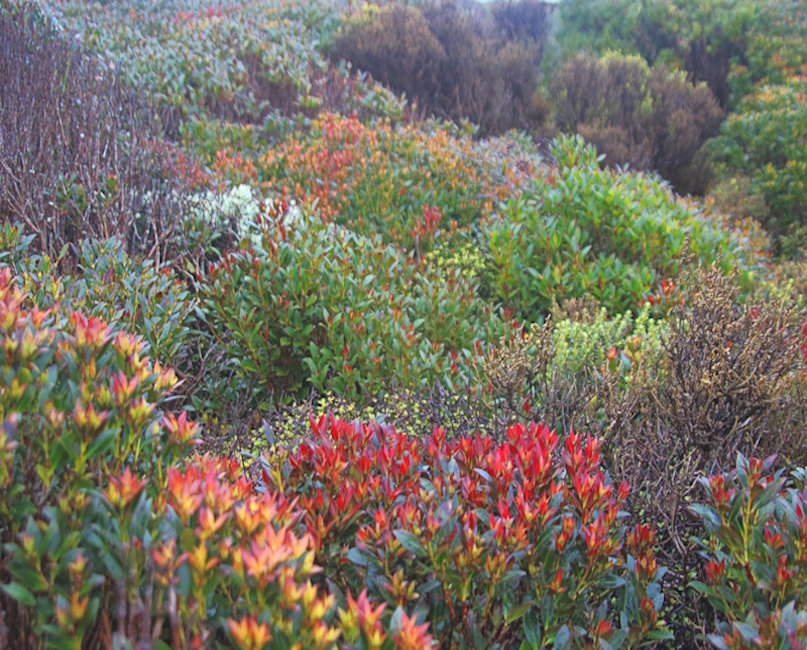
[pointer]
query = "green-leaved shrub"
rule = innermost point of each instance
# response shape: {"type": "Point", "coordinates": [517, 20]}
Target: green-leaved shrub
{"type": "Point", "coordinates": [310, 305]}
{"type": "Point", "coordinates": [112, 536]}
{"type": "Point", "coordinates": [78, 404]}
{"type": "Point", "coordinates": [101, 280]}
{"type": "Point", "coordinates": [754, 556]}
{"type": "Point", "coordinates": [580, 230]}
{"type": "Point", "coordinates": [763, 143]}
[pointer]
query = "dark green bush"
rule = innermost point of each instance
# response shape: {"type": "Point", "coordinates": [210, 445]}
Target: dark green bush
{"type": "Point", "coordinates": [764, 143]}
{"type": "Point", "coordinates": [311, 305]}
{"type": "Point", "coordinates": [395, 45]}
{"type": "Point", "coordinates": [646, 118]}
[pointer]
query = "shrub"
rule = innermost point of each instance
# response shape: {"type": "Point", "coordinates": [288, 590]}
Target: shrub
{"type": "Point", "coordinates": [77, 404]}
{"type": "Point", "coordinates": [455, 61]}
{"type": "Point", "coordinates": [765, 141]}
{"type": "Point", "coordinates": [133, 295]}
{"type": "Point", "coordinates": [754, 556]}
{"type": "Point", "coordinates": [553, 373]}
{"type": "Point", "coordinates": [775, 51]}
{"type": "Point", "coordinates": [729, 378]}
{"type": "Point", "coordinates": [411, 185]}
{"type": "Point", "coordinates": [112, 538]}
{"type": "Point", "coordinates": [647, 118]}
{"type": "Point", "coordinates": [525, 21]}
{"type": "Point", "coordinates": [312, 305]}
{"type": "Point", "coordinates": [492, 544]}
{"type": "Point", "coordinates": [395, 45]}
{"type": "Point", "coordinates": [76, 154]}
{"type": "Point", "coordinates": [615, 236]}
{"type": "Point", "coordinates": [229, 62]}
{"type": "Point", "coordinates": [700, 37]}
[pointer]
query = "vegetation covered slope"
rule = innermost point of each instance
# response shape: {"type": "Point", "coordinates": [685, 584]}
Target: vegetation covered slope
{"type": "Point", "coordinates": [283, 301]}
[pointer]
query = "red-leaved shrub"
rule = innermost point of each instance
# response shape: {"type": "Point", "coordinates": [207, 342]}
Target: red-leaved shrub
{"type": "Point", "coordinates": [491, 543]}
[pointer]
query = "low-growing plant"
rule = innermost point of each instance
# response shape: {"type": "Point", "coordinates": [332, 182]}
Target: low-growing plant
{"type": "Point", "coordinates": [417, 410]}
{"type": "Point", "coordinates": [494, 544]}
{"type": "Point", "coordinates": [754, 556]}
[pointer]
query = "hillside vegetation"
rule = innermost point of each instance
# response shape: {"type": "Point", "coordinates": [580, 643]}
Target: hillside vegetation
{"type": "Point", "coordinates": [407, 324]}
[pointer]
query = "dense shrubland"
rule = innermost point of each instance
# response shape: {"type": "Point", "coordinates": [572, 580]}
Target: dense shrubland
{"type": "Point", "coordinates": [306, 352]}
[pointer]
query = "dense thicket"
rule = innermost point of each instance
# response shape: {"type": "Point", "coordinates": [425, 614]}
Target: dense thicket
{"type": "Point", "coordinates": [79, 150]}
{"type": "Point", "coordinates": [366, 315]}
{"type": "Point", "coordinates": [456, 60]}
{"type": "Point", "coordinates": [648, 118]}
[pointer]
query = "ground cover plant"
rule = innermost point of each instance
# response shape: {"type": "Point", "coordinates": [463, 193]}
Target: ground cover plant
{"type": "Point", "coordinates": [291, 359]}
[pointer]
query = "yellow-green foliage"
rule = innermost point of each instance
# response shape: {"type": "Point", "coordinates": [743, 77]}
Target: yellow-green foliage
{"type": "Point", "coordinates": [584, 345]}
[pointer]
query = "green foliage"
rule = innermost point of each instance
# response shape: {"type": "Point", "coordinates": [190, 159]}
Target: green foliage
{"type": "Point", "coordinates": [776, 49]}
{"type": "Point", "coordinates": [413, 185]}
{"type": "Point", "coordinates": [230, 61]}
{"type": "Point", "coordinates": [754, 553]}
{"type": "Point", "coordinates": [110, 537]}
{"type": "Point", "coordinates": [764, 141]}
{"type": "Point", "coordinates": [582, 346]}
{"type": "Point", "coordinates": [131, 294]}
{"type": "Point", "coordinates": [312, 305]}
{"type": "Point", "coordinates": [581, 230]}
{"type": "Point", "coordinates": [698, 36]}
{"type": "Point", "coordinates": [78, 404]}
{"type": "Point", "coordinates": [337, 246]}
